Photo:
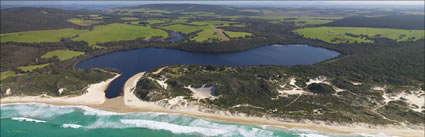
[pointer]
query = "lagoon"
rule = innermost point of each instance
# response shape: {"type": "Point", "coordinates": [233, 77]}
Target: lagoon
{"type": "Point", "coordinates": [138, 60]}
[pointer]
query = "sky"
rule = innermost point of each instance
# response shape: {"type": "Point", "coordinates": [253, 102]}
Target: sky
{"type": "Point", "coordinates": [380, 2]}
{"type": "Point", "coordinates": [85, 4]}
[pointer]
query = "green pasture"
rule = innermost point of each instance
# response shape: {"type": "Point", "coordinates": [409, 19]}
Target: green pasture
{"type": "Point", "coordinates": [40, 36]}
{"type": "Point", "coordinates": [341, 34]}
{"type": "Point", "coordinates": [129, 18]}
{"type": "Point", "coordinates": [298, 21]}
{"type": "Point", "coordinates": [179, 20]}
{"type": "Point", "coordinates": [82, 22]}
{"type": "Point", "coordinates": [62, 54]}
{"type": "Point", "coordinates": [205, 34]}
{"type": "Point", "coordinates": [154, 21]}
{"type": "Point", "coordinates": [117, 32]}
{"type": "Point", "coordinates": [151, 21]}
{"type": "Point", "coordinates": [4, 75]}
{"type": "Point", "coordinates": [217, 23]}
{"type": "Point", "coordinates": [132, 11]}
{"type": "Point", "coordinates": [91, 16]}
{"type": "Point", "coordinates": [233, 34]}
{"type": "Point", "coordinates": [185, 29]}
{"type": "Point", "coordinates": [32, 67]}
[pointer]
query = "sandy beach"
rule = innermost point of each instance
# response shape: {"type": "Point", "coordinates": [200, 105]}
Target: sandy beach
{"type": "Point", "coordinates": [95, 97]}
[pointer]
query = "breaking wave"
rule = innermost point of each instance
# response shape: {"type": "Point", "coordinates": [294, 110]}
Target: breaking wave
{"type": "Point", "coordinates": [83, 117]}
{"type": "Point", "coordinates": [71, 126]}
{"type": "Point", "coordinates": [28, 119]}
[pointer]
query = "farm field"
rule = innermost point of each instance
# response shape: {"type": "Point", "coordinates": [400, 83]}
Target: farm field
{"type": "Point", "coordinates": [129, 18]}
{"type": "Point", "coordinates": [117, 32]}
{"type": "Point", "coordinates": [185, 29]}
{"type": "Point", "coordinates": [91, 16]}
{"type": "Point", "coordinates": [40, 36]}
{"type": "Point", "coordinates": [32, 67]}
{"type": "Point", "coordinates": [82, 22]}
{"type": "Point", "coordinates": [154, 21]}
{"type": "Point", "coordinates": [233, 34]}
{"type": "Point", "coordinates": [298, 21]}
{"type": "Point", "coordinates": [4, 75]}
{"type": "Point", "coordinates": [62, 54]}
{"type": "Point", "coordinates": [217, 23]}
{"type": "Point", "coordinates": [207, 30]}
{"type": "Point", "coordinates": [179, 20]}
{"type": "Point", "coordinates": [342, 34]}
{"type": "Point", "coordinates": [205, 34]}
{"type": "Point", "coordinates": [133, 11]}
{"type": "Point", "coordinates": [309, 21]}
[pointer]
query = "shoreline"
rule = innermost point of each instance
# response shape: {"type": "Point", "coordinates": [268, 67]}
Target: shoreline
{"type": "Point", "coordinates": [130, 103]}
{"type": "Point", "coordinates": [95, 95]}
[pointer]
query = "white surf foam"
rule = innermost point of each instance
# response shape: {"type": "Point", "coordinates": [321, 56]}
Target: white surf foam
{"type": "Point", "coordinates": [71, 126]}
{"type": "Point", "coordinates": [155, 125]}
{"type": "Point", "coordinates": [92, 111]}
{"type": "Point", "coordinates": [28, 119]}
{"type": "Point", "coordinates": [312, 135]}
{"type": "Point", "coordinates": [34, 110]}
{"type": "Point", "coordinates": [377, 135]}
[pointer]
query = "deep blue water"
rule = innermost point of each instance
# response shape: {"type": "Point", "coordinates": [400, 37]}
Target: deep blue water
{"type": "Point", "coordinates": [139, 60]}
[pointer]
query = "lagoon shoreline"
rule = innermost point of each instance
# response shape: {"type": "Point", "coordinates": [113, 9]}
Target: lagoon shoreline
{"type": "Point", "coordinates": [130, 103]}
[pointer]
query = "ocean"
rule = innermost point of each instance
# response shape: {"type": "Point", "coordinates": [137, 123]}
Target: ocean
{"type": "Point", "coordinates": [43, 120]}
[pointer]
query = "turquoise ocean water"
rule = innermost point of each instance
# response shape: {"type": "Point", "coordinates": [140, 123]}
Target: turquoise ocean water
{"type": "Point", "coordinates": [42, 120]}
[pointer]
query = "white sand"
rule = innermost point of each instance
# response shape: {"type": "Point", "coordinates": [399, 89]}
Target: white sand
{"type": "Point", "coordinates": [356, 83]}
{"type": "Point", "coordinates": [95, 95]}
{"type": "Point", "coordinates": [162, 83]}
{"type": "Point", "coordinates": [294, 91]}
{"type": "Point", "coordinates": [8, 91]}
{"type": "Point", "coordinates": [159, 70]}
{"type": "Point", "coordinates": [130, 100]}
{"type": "Point", "coordinates": [292, 82]}
{"type": "Point", "coordinates": [320, 79]}
{"type": "Point", "coordinates": [201, 92]}
{"type": "Point", "coordinates": [60, 91]}
{"type": "Point", "coordinates": [416, 97]}
{"type": "Point", "coordinates": [378, 88]}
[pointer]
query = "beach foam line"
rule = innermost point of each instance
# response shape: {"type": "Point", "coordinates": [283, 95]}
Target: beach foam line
{"type": "Point", "coordinates": [177, 129]}
{"type": "Point", "coordinates": [71, 126]}
{"type": "Point", "coordinates": [376, 135]}
{"type": "Point", "coordinates": [27, 119]}
{"type": "Point", "coordinates": [312, 135]}
{"type": "Point", "coordinates": [172, 122]}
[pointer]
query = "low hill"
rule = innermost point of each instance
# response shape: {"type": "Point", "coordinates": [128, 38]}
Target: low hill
{"type": "Point", "coordinates": [223, 10]}
{"type": "Point", "coordinates": [28, 19]}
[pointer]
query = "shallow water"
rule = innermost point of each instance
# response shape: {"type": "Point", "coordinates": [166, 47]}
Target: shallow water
{"type": "Point", "coordinates": [174, 37]}
{"type": "Point", "coordinates": [42, 120]}
{"type": "Point", "coordinates": [139, 60]}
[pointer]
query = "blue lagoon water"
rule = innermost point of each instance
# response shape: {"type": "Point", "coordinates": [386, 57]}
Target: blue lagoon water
{"type": "Point", "coordinates": [139, 60]}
